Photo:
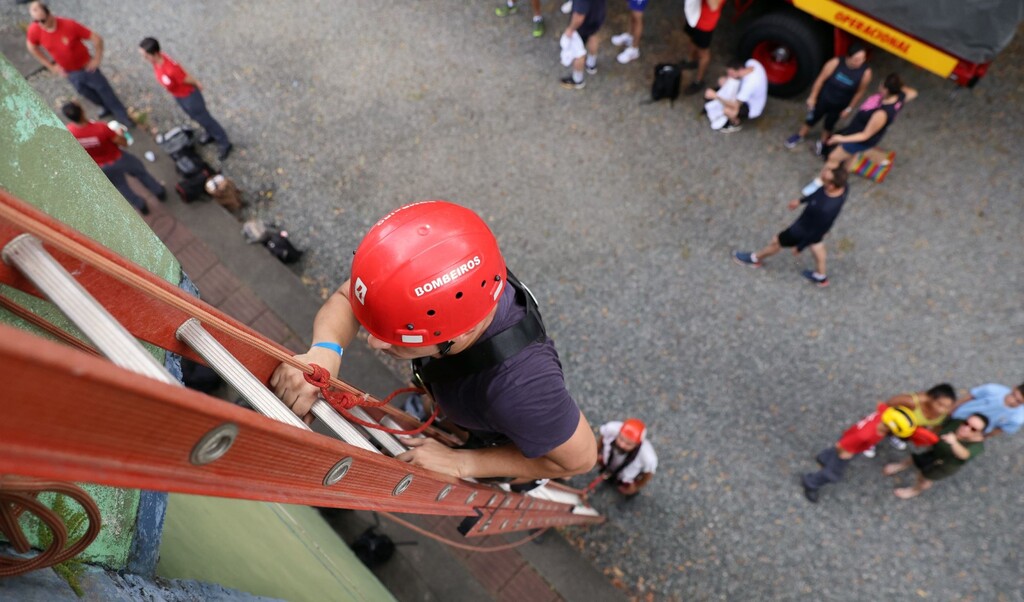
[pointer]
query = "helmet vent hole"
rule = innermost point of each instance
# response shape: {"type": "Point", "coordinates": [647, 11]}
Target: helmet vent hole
{"type": "Point", "coordinates": [483, 283]}
{"type": "Point", "coordinates": [437, 333]}
{"type": "Point", "coordinates": [431, 312]}
{"type": "Point", "coordinates": [458, 295]}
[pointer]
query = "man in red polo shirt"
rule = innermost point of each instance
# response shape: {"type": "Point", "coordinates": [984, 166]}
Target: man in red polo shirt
{"type": "Point", "coordinates": [63, 41]}
{"type": "Point", "coordinates": [186, 91]}
{"type": "Point", "coordinates": [700, 35]}
{"type": "Point", "coordinates": [104, 146]}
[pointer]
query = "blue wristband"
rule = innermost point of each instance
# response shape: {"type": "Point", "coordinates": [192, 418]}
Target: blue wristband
{"type": "Point", "coordinates": [332, 346]}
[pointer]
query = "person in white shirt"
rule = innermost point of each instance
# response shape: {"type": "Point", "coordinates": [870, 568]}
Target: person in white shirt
{"type": "Point", "coordinates": [627, 459]}
{"type": "Point", "coordinates": [750, 97]}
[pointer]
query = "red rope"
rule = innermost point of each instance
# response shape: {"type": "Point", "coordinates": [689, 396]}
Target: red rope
{"type": "Point", "coordinates": [343, 401]}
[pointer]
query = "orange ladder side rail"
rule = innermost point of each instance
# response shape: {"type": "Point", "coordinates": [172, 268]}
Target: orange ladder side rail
{"type": "Point", "coordinates": [118, 285]}
{"type": "Point", "coordinates": [68, 415]}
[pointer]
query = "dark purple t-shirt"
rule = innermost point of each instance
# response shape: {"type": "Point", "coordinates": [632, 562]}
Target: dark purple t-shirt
{"type": "Point", "coordinates": [523, 398]}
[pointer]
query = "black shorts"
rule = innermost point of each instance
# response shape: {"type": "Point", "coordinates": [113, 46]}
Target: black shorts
{"type": "Point", "coordinates": [701, 39]}
{"type": "Point", "coordinates": [789, 238]}
{"type": "Point", "coordinates": [743, 113]}
{"type": "Point", "coordinates": [829, 112]}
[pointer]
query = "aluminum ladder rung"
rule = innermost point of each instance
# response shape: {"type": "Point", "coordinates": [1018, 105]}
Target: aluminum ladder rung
{"type": "Point", "coordinates": [26, 253]}
{"type": "Point", "coordinates": [389, 422]}
{"type": "Point", "coordinates": [192, 333]}
{"type": "Point", "coordinates": [388, 441]}
{"type": "Point", "coordinates": [563, 497]}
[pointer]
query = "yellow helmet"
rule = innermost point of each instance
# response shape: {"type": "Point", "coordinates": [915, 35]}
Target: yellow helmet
{"type": "Point", "coordinates": [900, 421]}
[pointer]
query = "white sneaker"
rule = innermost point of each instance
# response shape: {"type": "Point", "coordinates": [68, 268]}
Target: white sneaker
{"type": "Point", "coordinates": [898, 443]}
{"type": "Point", "coordinates": [869, 453]}
{"type": "Point", "coordinates": [567, 7]}
{"type": "Point", "coordinates": [623, 39]}
{"type": "Point", "coordinates": [628, 55]}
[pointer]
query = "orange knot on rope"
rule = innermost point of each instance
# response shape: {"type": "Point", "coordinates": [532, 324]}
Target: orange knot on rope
{"type": "Point", "coordinates": [343, 401]}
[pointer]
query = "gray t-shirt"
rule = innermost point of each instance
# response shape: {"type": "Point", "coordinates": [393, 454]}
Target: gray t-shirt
{"type": "Point", "coordinates": [524, 398]}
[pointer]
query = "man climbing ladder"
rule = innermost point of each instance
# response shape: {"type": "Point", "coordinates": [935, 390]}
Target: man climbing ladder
{"type": "Point", "coordinates": [428, 283]}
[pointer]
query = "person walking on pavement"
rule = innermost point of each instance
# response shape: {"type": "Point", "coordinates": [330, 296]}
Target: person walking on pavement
{"type": "Point", "coordinates": [587, 18]}
{"type": "Point", "coordinates": [700, 37]}
{"type": "Point", "coordinates": [186, 92]}
{"type": "Point", "coordinates": [822, 208]}
{"type": "Point", "coordinates": [631, 39]}
{"type": "Point", "coordinates": [1002, 406]}
{"type": "Point", "coordinates": [834, 95]}
{"type": "Point", "coordinates": [429, 284]}
{"type": "Point", "coordinates": [868, 432]}
{"type": "Point", "coordinates": [960, 441]}
{"type": "Point", "coordinates": [510, 7]}
{"type": "Point", "coordinates": [63, 39]}
{"type": "Point", "coordinates": [104, 146]}
{"type": "Point", "coordinates": [868, 126]}
{"type": "Point", "coordinates": [627, 458]}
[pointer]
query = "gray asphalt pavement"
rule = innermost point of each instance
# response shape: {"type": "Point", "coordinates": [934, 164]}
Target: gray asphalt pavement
{"type": "Point", "coordinates": [621, 217]}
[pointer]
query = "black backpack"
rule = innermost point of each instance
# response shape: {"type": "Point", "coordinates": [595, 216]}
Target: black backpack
{"type": "Point", "coordinates": [667, 77]}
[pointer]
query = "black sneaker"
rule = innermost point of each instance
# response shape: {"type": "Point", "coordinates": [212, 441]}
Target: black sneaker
{"type": "Point", "coordinates": [570, 84]}
{"type": "Point", "coordinates": [592, 70]}
{"type": "Point", "coordinates": [730, 128]}
{"type": "Point", "coordinates": [821, 282]}
{"type": "Point", "coordinates": [224, 152]}
{"type": "Point", "coordinates": [693, 88]}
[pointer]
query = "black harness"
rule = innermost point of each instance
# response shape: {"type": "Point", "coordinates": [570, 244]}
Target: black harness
{"type": "Point", "coordinates": [633, 453]}
{"type": "Point", "coordinates": [488, 353]}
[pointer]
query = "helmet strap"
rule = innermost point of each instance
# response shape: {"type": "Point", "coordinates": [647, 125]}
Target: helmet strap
{"type": "Point", "coordinates": [445, 347]}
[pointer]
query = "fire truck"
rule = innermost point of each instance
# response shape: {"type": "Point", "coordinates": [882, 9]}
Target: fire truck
{"type": "Point", "coordinates": [954, 39]}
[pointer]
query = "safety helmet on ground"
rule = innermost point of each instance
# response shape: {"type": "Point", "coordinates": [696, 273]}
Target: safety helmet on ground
{"type": "Point", "coordinates": [633, 430]}
{"type": "Point", "coordinates": [900, 421]}
{"type": "Point", "coordinates": [426, 273]}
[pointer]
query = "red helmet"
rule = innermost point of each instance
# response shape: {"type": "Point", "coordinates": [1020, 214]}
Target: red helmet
{"type": "Point", "coordinates": [633, 430]}
{"type": "Point", "coordinates": [426, 273]}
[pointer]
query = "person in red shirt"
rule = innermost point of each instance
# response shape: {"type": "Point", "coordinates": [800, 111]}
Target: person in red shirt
{"type": "Point", "coordinates": [186, 91]}
{"type": "Point", "coordinates": [884, 421]}
{"type": "Point", "coordinates": [104, 146]}
{"type": "Point", "coordinates": [63, 39]}
{"type": "Point", "coordinates": [700, 35]}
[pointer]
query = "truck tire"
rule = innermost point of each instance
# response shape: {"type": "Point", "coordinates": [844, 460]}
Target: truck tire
{"type": "Point", "coordinates": [790, 47]}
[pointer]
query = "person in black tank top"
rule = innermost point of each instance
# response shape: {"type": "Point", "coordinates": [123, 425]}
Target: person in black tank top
{"type": "Point", "coordinates": [869, 125]}
{"type": "Point", "coordinates": [838, 89]}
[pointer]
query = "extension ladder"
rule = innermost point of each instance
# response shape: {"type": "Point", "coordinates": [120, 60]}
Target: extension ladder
{"type": "Point", "coordinates": [70, 415]}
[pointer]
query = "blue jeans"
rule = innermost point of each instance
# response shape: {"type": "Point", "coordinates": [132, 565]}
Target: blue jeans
{"type": "Point", "coordinates": [195, 107]}
{"type": "Point", "coordinates": [129, 165]}
{"type": "Point", "coordinates": [95, 87]}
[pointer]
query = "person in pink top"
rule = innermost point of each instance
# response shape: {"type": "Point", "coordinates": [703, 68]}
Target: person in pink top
{"type": "Point", "coordinates": [64, 42]}
{"type": "Point", "coordinates": [186, 91]}
{"type": "Point", "coordinates": [104, 145]}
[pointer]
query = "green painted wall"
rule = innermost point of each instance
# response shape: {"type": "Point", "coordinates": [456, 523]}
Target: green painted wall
{"type": "Point", "coordinates": [42, 164]}
{"type": "Point", "coordinates": [293, 555]}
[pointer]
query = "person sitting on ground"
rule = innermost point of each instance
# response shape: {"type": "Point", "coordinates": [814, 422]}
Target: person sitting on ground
{"type": "Point", "coordinates": [868, 126]}
{"type": "Point", "coordinates": [960, 442]}
{"type": "Point", "coordinates": [874, 427]}
{"type": "Point", "coordinates": [930, 409]}
{"type": "Point", "coordinates": [834, 94]}
{"type": "Point", "coordinates": [627, 458]}
{"type": "Point", "coordinates": [809, 230]}
{"type": "Point", "coordinates": [750, 97]}
{"type": "Point", "coordinates": [1002, 406]}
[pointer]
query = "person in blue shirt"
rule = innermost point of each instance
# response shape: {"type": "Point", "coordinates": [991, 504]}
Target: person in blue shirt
{"type": "Point", "coordinates": [1003, 406]}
